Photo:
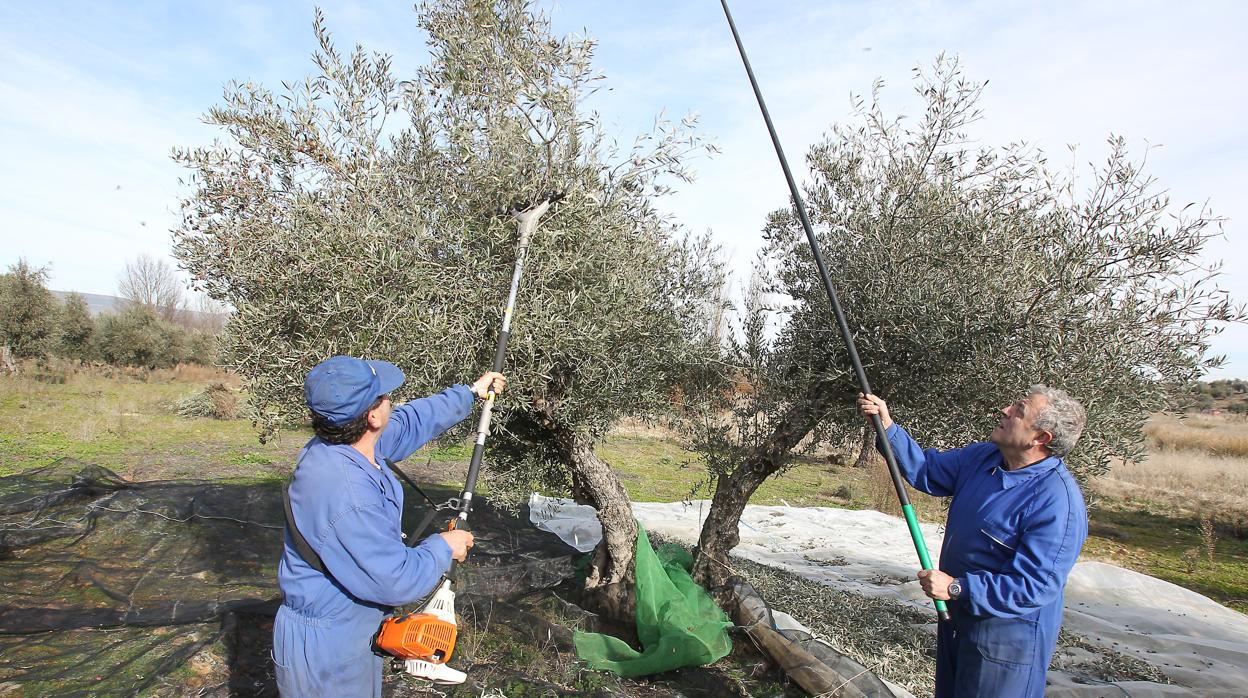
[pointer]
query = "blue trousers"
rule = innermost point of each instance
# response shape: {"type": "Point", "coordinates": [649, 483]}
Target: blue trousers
{"type": "Point", "coordinates": [312, 661]}
{"type": "Point", "coordinates": [990, 657]}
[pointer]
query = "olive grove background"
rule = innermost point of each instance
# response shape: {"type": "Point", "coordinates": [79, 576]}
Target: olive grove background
{"type": "Point", "coordinates": [140, 332]}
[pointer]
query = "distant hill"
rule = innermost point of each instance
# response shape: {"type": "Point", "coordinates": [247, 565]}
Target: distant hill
{"type": "Point", "coordinates": [96, 303]}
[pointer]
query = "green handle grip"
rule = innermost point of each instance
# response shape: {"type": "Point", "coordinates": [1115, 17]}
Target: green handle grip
{"type": "Point", "coordinates": [919, 545]}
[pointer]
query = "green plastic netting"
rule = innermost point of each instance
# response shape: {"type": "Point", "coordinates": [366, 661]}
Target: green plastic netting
{"type": "Point", "coordinates": [678, 623]}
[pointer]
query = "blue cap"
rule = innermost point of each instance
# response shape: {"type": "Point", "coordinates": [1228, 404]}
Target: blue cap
{"type": "Point", "coordinates": [341, 388]}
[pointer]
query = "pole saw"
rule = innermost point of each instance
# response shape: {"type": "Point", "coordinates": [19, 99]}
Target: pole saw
{"type": "Point", "coordinates": [912, 521]}
{"type": "Point", "coordinates": [424, 640]}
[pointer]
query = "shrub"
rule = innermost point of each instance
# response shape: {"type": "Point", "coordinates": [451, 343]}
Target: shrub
{"type": "Point", "coordinates": [215, 401]}
{"type": "Point", "coordinates": [76, 329]}
{"type": "Point", "coordinates": [27, 311]}
{"type": "Point", "coordinates": [134, 337]}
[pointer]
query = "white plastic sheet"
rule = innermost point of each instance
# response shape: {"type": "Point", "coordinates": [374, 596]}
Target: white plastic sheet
{"type": "Point", "coordinates": [1197, 643]}
{"type": "Point", "coordinates": [575, 524]}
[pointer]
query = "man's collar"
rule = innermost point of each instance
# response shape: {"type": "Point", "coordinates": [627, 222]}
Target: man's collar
{"type": "Point", "coordinates": [358, 458]}
{"type": "Point", "coordinates": [1010, 478]}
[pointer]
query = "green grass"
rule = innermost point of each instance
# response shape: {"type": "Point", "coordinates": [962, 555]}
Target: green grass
{"type": "Point", "coordinates": [128, 425]}
{"type": "Point", "coordinates": [658, 470]}
{"type": "Point", "coordinates": [448, 452]}
{"type": "Point", "coordinates": [1159, 543]}
{"type": "Point", "coordinates": [653, 470]}
{"type": "Point", "coordinates": [250, 458]}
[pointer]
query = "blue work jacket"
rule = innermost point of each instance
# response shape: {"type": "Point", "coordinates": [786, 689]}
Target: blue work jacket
{"type": "Point", "coordinates": [350, 513]}
{"type": "Point", "coordinates": [1011, 539]}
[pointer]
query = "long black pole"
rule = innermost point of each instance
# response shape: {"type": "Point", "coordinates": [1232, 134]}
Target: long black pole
{"type": "Point", "coordinates": [898, 484]}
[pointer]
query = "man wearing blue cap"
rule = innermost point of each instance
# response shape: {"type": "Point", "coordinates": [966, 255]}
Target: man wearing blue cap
{"type": "Point", "coordinates": [348, 506]}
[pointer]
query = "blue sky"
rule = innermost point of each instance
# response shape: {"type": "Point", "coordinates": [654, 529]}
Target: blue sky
{"type": "Point", "coordinates": [94, 95]}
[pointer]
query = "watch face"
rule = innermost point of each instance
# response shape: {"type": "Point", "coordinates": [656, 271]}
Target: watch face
{"type": "Point", "coordinates": [955, 589]}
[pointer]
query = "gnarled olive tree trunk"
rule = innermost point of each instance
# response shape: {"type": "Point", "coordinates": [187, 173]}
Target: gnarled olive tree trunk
{"type": "Point", "coordinates": [867, 448]}
{"type": "Point", "coordinates": [733, 490]}
{"type": "Point", "coordinates": [610, 580]}
{"type": "Point", "coordinates": [609, 584]}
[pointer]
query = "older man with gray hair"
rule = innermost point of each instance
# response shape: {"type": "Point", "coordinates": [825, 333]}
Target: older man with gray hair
{"type": "Point", "coordinates": [1016, 524]}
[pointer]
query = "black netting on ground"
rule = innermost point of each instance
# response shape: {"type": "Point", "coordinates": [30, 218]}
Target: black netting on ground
{"type": "Point", "coordinates": [168, 588]}
{"type": "Point", "coordinates": [109, 586]}
{"type": "Point", "coordinates": [84, 549]}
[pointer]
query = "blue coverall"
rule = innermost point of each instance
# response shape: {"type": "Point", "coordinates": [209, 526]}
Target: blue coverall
{"type": "Point", "coordinates": [350, 511]}
{"type": "Point", "coordinates": [1011, 540]}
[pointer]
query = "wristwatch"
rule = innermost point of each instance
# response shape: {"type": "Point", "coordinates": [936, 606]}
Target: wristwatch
{"type": "Point", "coordinates": [955, 590]}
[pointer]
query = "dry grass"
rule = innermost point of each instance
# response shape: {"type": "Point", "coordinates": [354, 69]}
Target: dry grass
{"type": "Point", "coordinates": [880, 490]}
{"type": "Point", "coordinates": [61, 371]}
{"type": "Point", "coordinates": [634, 427]}
{"type": "Point", "coordinates": [1187, 480]}
{"type": "Point", "coordinates": [1196, 464]}
{"type": "Point", "coordinates": [1218, 436]}
{"type": "Point", "coordinates": [1185, 473]}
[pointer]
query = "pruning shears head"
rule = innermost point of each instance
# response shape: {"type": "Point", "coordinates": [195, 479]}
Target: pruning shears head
{"type": "Point", "coordinates": [522, 205]}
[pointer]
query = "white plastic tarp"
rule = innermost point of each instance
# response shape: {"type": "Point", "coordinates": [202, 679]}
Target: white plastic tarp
{"type": "Point", "coordinates": [1197, 643]}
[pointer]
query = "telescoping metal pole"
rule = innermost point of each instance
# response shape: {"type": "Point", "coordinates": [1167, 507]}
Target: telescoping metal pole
{"type": "Point", "coordinates": [911, 521]}
{"type": "Point", "coordinates": [527, 220]}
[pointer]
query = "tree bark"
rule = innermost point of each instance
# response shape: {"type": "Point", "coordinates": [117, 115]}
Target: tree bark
{"type": "Point", "coordinates": [732, 491]}
{"type": "Point", "coordinates": [868, 447]}
{"type": "Point", "coordinates": [719, 532]}
{"type": "Point", "coordinates": [609, 585]}
{"type": "Point", "coordinates": [6, 360]}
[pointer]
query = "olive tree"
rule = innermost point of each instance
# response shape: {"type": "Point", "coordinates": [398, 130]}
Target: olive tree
{"type": "Point", "coordinates": [361, 214]}
{"type": "Point", "coordinates": [967, 274]}
{"type": "Point", "coordinates": [76, 328]}
{"type": "Point", "coordinates": [28, 311]}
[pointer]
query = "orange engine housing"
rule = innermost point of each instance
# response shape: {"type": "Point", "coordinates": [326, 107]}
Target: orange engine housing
{"type": "Point", "coordinates": [418, 636]}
